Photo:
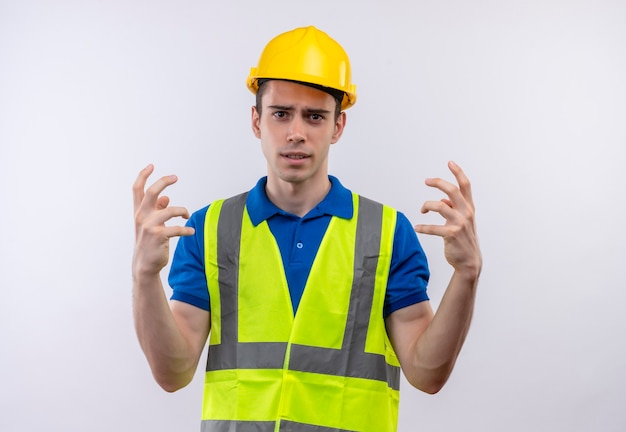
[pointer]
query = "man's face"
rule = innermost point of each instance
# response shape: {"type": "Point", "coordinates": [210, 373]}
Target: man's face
{"type": "Point", "coordinates": [296, 129]}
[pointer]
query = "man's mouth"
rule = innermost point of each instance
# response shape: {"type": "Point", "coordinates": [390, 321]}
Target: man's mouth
{"type": "Point", "coordinates": [295, 156]}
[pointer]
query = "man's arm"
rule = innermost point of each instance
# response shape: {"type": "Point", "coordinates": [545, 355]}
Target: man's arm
{"type": "Point", "coordinates": [172, 335]}
{"type": "Point", "coordinates": [427, 343]}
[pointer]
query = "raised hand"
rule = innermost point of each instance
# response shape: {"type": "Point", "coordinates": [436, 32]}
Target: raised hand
{"type": "Point", "coordinates": [459, 231]}
{"type": "Point", "coordinates": [152, 211]}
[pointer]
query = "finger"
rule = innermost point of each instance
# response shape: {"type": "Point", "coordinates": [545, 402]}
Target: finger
{"type": "Point", "coordinates": [151, 195]}
{"type": "Point", "coordinates": [464, 183]}
{"type": "Point", "coordinates": [163, 202]}
{"type": "Point", "coordinates": [178, 231]}
{"type": "Point", "coordinates": [446, 202]}
{"type": "Point", "coordinates": [443, 207]}
{"type": "Point", "coordinates": [155, 221]}
{"type": "Point", "coordinates": [455, 199]}
{"type": "Point", "coordinates": [437, 230]}
{"type": "Point", "coordinates": [140, 184]}
{"type": "Point", "coordinates": [444, 186]}
{"type": "Point", "coordinates": [162, 216]}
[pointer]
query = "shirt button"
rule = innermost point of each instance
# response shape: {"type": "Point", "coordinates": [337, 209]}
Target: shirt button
{"type": "Point", "coordinates": [299, 245]}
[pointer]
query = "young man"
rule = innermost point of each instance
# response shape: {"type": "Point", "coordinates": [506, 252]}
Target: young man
{"type": "Point", "coordinates": [314, 297]}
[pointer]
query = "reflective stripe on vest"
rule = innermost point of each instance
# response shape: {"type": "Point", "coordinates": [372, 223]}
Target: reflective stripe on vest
{"type": "Point", "coordinates": [243, 426]}
{"type": "Point", "coordinates": [230, 359]}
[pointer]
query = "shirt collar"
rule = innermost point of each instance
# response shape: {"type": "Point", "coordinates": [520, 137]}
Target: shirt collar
{"type": "Point", "coordinates": [337, 202]}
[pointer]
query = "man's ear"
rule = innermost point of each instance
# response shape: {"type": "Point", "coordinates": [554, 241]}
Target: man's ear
{"type": "Point", "coordinates": [340, 124]}
{"type": "Point", "coordinates": [256, 122]}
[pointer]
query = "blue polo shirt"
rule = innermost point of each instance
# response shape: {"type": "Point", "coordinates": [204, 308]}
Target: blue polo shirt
{"type": "Point", "coordinates": [298, 239]}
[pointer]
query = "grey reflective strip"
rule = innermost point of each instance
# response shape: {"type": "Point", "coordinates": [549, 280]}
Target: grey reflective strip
{"type": "Point", "coordinates": [237, 426]}
{"type": "Point", "coordinates": [262, 426]}
{"type": "Point", "coordinates": [351, 360]}
{"type": "Point", "coordinates": [228, 242]}
{"type": "Point", "coordinates": [249, 355]}
{"type": "Point", "coordinates": [357, 364]}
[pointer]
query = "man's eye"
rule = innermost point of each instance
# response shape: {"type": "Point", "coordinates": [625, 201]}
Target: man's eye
{"type": "Point", "coordinates": [317, 117]}
{"type": "Point", "coordinates": [280, 114]}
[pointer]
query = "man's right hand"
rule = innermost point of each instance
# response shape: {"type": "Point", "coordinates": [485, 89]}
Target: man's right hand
{"type": "Point", "coordinates": [171, 336]}
{"type": "Point", "coordinates": [152, 236]}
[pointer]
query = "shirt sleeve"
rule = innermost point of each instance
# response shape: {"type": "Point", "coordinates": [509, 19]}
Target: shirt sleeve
{"type": "Point", "coordinates": [409, 274]}
{"type": "Point", "coordinates": [187, 276]}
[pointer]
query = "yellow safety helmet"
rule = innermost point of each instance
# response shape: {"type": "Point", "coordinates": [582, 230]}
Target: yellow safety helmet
{"type": "Point", "coordinates": [307, 55]}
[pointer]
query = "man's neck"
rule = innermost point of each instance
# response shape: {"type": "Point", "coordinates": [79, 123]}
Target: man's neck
{"type": "Point", "coordinates": [297, 198]}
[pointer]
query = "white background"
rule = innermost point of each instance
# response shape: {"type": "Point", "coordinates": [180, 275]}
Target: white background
{"type": "Point", "coordinates": [529, 97]}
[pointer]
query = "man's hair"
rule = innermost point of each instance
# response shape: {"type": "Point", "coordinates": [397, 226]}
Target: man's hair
{"type": "Point", "coordinates": [336, 94]}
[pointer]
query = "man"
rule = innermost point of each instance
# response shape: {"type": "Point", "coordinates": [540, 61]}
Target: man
{"type": "Point", "coordinates": [313, 296]}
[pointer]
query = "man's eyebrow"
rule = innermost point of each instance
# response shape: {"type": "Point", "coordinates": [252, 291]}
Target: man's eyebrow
{"type": "Point", "coordinates": [307, 110]}
{"type": "Point", "coordinates": [281, 107]}
{"type": "Point", "coordinates": [317, 111]}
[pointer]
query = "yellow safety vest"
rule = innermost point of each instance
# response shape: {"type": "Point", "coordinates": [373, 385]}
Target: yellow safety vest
{"type": "Point", "coordinates": [329, 368]}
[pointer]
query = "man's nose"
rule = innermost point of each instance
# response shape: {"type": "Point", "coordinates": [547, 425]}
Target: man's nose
{"type": "Point", "coordinates": [296, 130]}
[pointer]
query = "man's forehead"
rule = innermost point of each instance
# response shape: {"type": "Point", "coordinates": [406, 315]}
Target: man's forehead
{"type": "Point", "coordinates": [278, 90]}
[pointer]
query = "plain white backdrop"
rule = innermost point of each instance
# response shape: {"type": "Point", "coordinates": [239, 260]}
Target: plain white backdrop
{"type": "Point", "coordinates": [529, 97]}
